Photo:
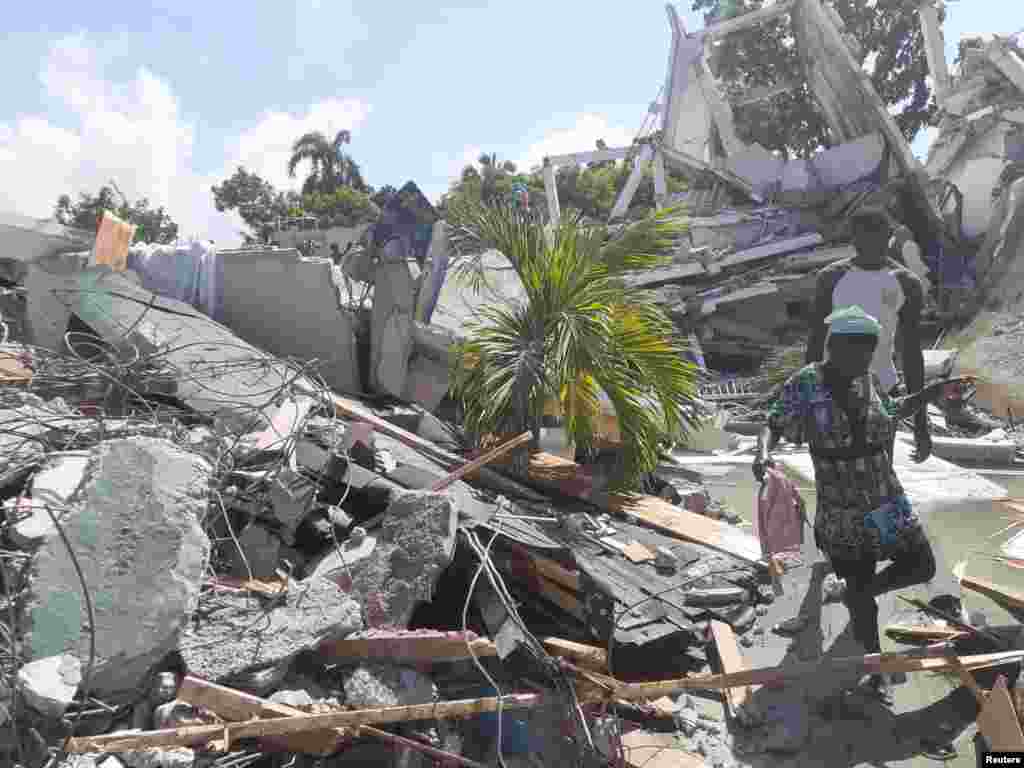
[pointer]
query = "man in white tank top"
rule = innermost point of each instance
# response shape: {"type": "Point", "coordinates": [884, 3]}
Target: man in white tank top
{"type": "Point", "coordinates": [890, 293]}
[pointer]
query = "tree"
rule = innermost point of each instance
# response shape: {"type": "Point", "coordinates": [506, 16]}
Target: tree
{"type": "Point", "coordinates": [580, 331]}
{"type": "Point", "coordinates": [257, 202]}
{"type": "Point", "coordinates": [344, 207]}
{"type": "Point", "coordinates": [888, 33]}
{"type": "Point", "coordinates": [330, 166]}
{"type": "Point", "coordinates": [153, 225]}
{"type": "Point", "coordinates": [591, 190]}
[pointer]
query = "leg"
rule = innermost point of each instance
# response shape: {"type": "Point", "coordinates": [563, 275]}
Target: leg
{"type": "Point", "coordinates": [913, 565]}
{"type": "Point", "coordinates": [860, 600]}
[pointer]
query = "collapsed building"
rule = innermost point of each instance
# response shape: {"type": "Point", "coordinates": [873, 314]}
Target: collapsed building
{"type": "Point", "coordinates": [238, 523]}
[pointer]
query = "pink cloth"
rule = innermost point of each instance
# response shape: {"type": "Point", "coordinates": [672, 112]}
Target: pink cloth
{"type": "Point", "coordinates": [779, 521]}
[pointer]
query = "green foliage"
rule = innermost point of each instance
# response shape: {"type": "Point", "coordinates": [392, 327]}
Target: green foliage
{"type": "Point", "coordinates": [791, 122]}
{"type": "Point", "coordinates": [257, 202]}
{"type": "Point", "coordinates": [330, 167]}
{"type": "Point", "coordinates": [580, 331]}
{"type": "Point", "coordinates": [153, 225]}
{"type": "Point", "coordinates": [344, 207]}
{"type": "Point", "coordinates": [592, 190]}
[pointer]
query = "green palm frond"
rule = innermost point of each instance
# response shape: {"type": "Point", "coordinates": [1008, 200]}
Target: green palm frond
{"type": "Point", "coordinates": [580, 331]}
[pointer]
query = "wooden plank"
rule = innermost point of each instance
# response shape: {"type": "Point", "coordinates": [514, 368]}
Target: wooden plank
{"type": "Point", "coordinates": [283, 726]}
{"type": "Point", "coordinates": [1001, 595]}
{"type": "Point", "coordinates": [678, 522]}
{"type": "Point", "coordinates": [636, 552]}
{"type": "Point", "coordinates": [587, 656]}
{"type": "Point", "coordinates": [998, 721]}
{"type": "Point", "coordinates": [648, 749]}
{"type": "Point", "coordinates": [479, 461]}
{"type": "Point", "coordinates": [12, 371]}
{"type": "Point", "coordinates": [731, 659]}
{"type": "Point", "coordinates": [230, 704]}
{"type": "Point", "coordinates": [970, 684]}
{"type": "Point", "coordinates": [748, 20]}
{"type": "Point", "coordinates": [929, 633]}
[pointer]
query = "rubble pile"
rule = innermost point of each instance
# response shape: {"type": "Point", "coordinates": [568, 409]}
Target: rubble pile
{"type": "Point", "coordinates": [212, 557]}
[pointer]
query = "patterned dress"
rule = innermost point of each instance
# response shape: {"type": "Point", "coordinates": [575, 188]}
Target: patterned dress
{"type": "Point", "coordinates": [862, 510]}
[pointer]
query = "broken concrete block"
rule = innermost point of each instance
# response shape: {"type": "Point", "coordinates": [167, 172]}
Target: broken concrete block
{"type": "Point", "coordinates": [292, 497]}
{"type": "Point", "coordinates": [261, 550]}
{"type": "Point", "coordinates": [391, 326]}
{"type": "Point", "coordinates": [338, 561]}
{"type": "Point", "coordinates": [297, 699]}
{"type": "Point", "coordinates": [179, 757]}
{"type": "Point", "coordinates": [236, 632]}
{"type": "Point", "coordinates": [415, 545]}
{"type": "Point", "coordinates": [54, 485]}
{"type": "Point", "coordinates": [373, 685]}
{"type": "Point", "coordinates": [134, 527]}
{"type": "Point", "coordinates": [49, 685]}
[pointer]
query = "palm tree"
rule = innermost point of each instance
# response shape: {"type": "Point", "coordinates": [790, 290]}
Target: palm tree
{"type": "Point", "coordinates": [330, 166]}
{"type": "Point", "coordinates": [581, 331]}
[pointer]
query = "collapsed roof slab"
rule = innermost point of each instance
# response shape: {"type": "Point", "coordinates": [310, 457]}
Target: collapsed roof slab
{"type": "Point", "coordinates": [26, 239]}
{"type": "Point", "coordinates": [216, 372]}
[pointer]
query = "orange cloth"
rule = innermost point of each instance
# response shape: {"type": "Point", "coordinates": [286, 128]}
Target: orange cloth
{"type": "Point", "coordinates": [112, 241]}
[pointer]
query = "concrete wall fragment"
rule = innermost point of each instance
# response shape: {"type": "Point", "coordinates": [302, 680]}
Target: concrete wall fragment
{"type": "Point", "coordinates": [135, 531]}
{"type": "Point", "coordinates": [289, 306]}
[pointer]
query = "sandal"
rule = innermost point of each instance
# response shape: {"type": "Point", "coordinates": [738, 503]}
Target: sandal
{"type": "Point", "coordinates": [942, 752]}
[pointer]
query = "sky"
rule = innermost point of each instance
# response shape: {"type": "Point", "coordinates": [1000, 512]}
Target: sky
{"type": "Point", "coordinates": [167, 98]}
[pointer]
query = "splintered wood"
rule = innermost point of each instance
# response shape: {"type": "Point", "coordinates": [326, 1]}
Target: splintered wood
{"type": "Point", "coordinates": [998, 720]}
{"type": "Point", "coordinates": [228, 733]}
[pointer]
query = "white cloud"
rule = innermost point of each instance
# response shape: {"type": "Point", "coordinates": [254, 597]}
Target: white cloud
{"type": "Point", "coordinates": [133, 132]}
{"type": "Point", "coordinates": [581, 137]}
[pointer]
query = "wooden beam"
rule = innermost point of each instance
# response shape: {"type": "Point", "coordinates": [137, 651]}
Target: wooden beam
{"type": "Point", "coordinates": [626, 196]}
{"type": "Point", "coordinates": [480, 461]}
{"type": "Point", "coordinates": [551, 193]}
{"type": "Point", "coordinates": [443, 710]}
{"type": "Point", "coordinates": [678, 522]}
{"type": "Point", "coordinates": [748, 20]}
{"type": "Point", "coordinates": [934, 48]}
{"type": "Point", "coordinates": [731, 659]}
{"type": "Point", "coordinates": [587, 656]}
{"type": "Point", "coordinates": [230, 704]}
{"type": "Point", "coordinates": [1001, 595]}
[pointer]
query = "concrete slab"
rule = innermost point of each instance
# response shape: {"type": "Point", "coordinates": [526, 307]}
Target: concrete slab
{"type": "Point", "coordinates": [135, 530]}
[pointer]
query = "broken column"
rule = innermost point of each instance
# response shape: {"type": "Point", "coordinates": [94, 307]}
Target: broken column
{"type": "Point", "coordinates": [134, 528]}
{"type": "Point", "coordinates": [399, 570]}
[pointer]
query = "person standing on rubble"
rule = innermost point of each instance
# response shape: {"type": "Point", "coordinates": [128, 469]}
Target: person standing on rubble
{"type": "Point", "coordinates": [863, 515]}
{"type": "Point", "coordinates": [887, 291]}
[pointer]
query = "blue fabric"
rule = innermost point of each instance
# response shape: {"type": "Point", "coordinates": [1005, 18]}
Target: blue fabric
{"type": "Point", "coordinates": [191, 272]}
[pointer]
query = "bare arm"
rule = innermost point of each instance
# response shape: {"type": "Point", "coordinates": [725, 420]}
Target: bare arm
{"type": "Point", "coordinates": [913, 357]}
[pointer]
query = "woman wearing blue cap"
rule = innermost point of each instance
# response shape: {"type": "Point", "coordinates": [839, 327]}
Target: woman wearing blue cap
{"type": "Point", "coordinates": [863, 515]}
